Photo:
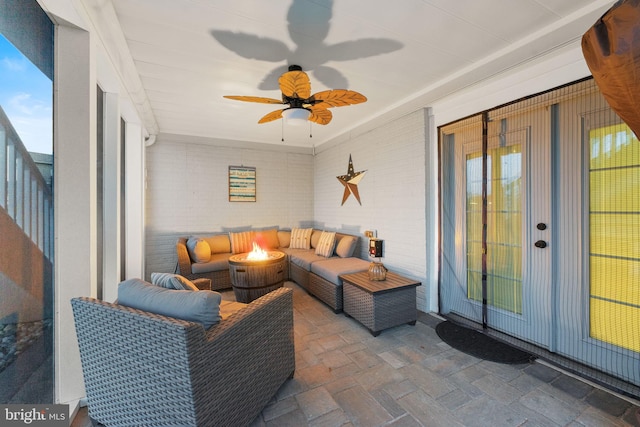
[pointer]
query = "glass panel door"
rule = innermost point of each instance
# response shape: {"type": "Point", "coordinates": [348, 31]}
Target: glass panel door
{"type": "Point", "coordinates": [491, 217]}
{"type": "Point", "coordinates": [546, 230]}
{"type": "Point", "coordinates": [503, 225]}
{"type": "Point", "coordinates": [598, 300]}
{"type": "Point", "coordinates": [614, 236]}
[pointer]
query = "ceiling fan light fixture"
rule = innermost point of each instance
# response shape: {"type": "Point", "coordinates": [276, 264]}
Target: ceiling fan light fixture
{"type": "Point", "coordinates": [303, 106]}
{"type": "Point", "coordinates": [296, 116]}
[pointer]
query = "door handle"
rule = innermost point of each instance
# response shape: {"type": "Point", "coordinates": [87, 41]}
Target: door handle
{"type": "Point", "coordinates": [540, 244]}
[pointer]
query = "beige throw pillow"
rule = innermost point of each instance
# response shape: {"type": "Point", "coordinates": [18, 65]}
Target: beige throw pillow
{"type": "Point", "coordinates": [346, 246]}
{"type": "Point", "coordinates": [301, 238]}
{"type": "Point", "coordinates": [326, 243]}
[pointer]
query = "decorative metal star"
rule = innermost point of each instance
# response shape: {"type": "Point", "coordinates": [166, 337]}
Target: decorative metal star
{"type": "Point", "coordinates": [350, 182]}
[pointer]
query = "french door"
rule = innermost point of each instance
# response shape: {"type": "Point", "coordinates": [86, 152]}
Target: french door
{"type": "Point", "coordinates": [540, 226]}
{"type": "Point", "coordinates": [598, 292]}
{"type": "Point", "coordinates": [515, 212]}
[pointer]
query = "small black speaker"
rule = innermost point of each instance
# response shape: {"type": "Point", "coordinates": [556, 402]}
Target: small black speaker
{"type": "Point", "coordinates": [375, 248]}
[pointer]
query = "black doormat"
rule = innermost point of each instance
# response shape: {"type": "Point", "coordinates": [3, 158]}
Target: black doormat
{"type": "Point", "coordinates": [480, 345]}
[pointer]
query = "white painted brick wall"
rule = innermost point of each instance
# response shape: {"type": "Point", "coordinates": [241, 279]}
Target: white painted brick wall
{"type": "Point", "coordinates": [187, 193]}
{"type": "Point", "coordinates": [392, 194]}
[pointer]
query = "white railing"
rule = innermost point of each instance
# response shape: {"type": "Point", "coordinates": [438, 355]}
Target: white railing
{"type": "Point", "coordinates": [25, 195]}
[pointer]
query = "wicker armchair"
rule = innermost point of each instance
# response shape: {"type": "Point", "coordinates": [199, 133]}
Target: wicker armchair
{"type": "Point", "coordinates": [143, 369]}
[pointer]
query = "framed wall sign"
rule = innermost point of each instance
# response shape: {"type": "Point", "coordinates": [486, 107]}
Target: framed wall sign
{"type": "Point", "coordinates": [242, 184]}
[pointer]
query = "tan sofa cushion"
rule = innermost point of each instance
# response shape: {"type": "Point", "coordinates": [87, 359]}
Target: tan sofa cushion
{"type": "Point", "coordinates": [304, 258]}
{"type": "Point", "coordinates": [315, 238]}
{"type": "Point", "coordinates": [346, 246]}
{"type": "Point", "coordinates": [219, 243]}
{"type": "Point", "coordinates": [268, 239]}
{"type": "Point", "coordinates": [284, 237]}
{"type": "Point", "coordinates": [330, 268]}
{"type": "Point", "coordinates": [218, 262]}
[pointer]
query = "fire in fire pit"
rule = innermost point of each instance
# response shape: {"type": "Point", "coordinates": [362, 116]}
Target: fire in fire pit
{"type": "Point", "coordinates": [256, 273]}
{"type": "Point", "coordinates": [257, 254]}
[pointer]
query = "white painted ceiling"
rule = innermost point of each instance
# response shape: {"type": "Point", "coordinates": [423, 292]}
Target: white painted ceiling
{"type": "Point", "coordinates": [189, 53]}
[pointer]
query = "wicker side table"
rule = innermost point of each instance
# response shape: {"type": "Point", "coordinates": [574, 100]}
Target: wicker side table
{"type": "Point", "coordinates": [382, 304]}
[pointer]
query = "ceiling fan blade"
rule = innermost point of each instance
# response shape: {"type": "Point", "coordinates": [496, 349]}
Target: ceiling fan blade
{"type": "Point", "coordinates": [339, 97]}
{"type": "Point", "coordinates": [317, 106]}
{"type": "Point", "coordinates": [274, 115]}
{"type": "Point", "coordinates": [320, 116]}
{"type": "Point", "coordinates": [295, 84]}
{"type": "Point", "coordinates": [259, 99]}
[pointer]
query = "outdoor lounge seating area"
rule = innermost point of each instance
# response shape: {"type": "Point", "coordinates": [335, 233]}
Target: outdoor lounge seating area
{"type": "Point", "coordinates": [263, 213]}
{"type": "Point", "coordinates": [287, 358]}
{"type": "Point", "coordinates": [406, 376]}
{"type": "Point", "coordinates": [312, 261]}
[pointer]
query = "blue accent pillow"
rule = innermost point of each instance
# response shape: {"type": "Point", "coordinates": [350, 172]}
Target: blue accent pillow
{"type": "Point", "coordinates": [194, 306]}
{"type": "Point", "coordinates": [172, 281]}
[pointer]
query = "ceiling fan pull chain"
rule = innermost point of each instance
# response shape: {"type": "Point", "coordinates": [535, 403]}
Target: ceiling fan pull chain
{"type": "Point", "coordinates": [282, 129]}
{"type": "Point", "coordinates": [310, 135]}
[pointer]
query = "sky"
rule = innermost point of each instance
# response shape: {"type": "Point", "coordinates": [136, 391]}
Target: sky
{"type": "Point", "coordinates": [26, 96]}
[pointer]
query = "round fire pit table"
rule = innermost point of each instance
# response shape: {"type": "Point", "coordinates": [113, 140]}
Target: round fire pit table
{"type": "Point", "coordinates": [251, 278]}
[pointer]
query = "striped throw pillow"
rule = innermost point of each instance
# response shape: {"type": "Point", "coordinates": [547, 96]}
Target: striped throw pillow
{"type": "Point", "coordinates": [173, 281]}
{"type": "Point", "coordinates": [301, 238]}
{"type": "Point", "coordinates": [326, 244]}
{"type": "Point", "coordinates": [242, 242]}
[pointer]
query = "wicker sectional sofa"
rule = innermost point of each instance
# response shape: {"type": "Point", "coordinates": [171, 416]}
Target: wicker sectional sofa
{"type": "Point", "coordinates": [317, 274]}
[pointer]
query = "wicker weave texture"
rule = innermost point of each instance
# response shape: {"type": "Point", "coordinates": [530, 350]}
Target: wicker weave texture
{"type": "Point", "coordinates": [380, 310]}
{"type": "Point", "coordinates": [326, 291]}
{"type": "Point", "coordinates": [142, 369]}
{"type": "Point", "coordinates": [299, 275]}
{"type": "Point", "coordinates": [219, 279]}
{"type": "Point", "coordinates": [202, 284]}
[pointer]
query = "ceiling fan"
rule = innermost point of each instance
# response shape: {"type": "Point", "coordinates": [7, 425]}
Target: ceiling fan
{"type": "Point", "coordinates": [296, 92]}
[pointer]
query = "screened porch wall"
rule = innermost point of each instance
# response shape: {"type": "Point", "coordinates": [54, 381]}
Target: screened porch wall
{"type": "Point", "coordinates": [577, 294]}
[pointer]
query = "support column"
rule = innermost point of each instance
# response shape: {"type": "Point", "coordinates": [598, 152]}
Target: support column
{"type": "Point", "coordinates": [74, 199]}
